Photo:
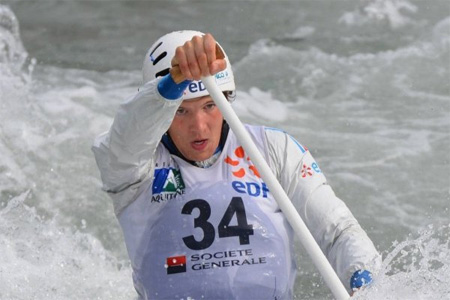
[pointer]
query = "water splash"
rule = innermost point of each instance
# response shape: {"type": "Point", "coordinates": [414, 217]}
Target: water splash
{"type": "Point", "coordinates": [415, 269]}
{"type": "Point", "coordinates": [13, 56]}
{"type": "Point", "coordinates": [256, 104]}
{"type": "Point", "coordinates": [11, 48]}
{"type": "Point", "coordinates": [394, 99]}
{"type": "Point", "coordinates": [43, 260]}
{"type": "Point", "coordinates": [391, 12]}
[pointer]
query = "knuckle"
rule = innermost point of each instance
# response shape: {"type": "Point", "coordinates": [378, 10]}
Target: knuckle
{"type": "Point", "coordinates": [179, 52]}
{"type": "Point", "coordinates": [188, 45]}
{"type": "Point", "coordinates": [208, 36]}
{"type": "Point", "coordinates": [197, 38]}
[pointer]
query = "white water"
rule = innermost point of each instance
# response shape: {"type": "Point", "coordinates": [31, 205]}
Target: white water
{"type": "Point", "coordinates": [365, 85]}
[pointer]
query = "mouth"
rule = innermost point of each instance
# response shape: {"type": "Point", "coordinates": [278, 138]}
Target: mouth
{"type": "Point", "coordinates": [199, 145]}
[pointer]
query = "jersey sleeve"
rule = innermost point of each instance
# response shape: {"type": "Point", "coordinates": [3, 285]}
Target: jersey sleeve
{"type": "Point", "coordinates": [337, 232]}
{"type": "Point", "coordinates": [125, 153]}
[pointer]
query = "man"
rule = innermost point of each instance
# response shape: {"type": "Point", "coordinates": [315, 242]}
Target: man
{"type": "Point", "coordinates": [198, 220]}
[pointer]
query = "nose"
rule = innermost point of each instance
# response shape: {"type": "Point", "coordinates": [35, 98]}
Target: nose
{"type": "Point", "coordinates": [198, 122]}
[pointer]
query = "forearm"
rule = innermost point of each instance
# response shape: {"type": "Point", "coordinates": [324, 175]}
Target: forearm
{"type": "Point", "coordinates": [124, 153]}
{"type": "Point", "coordinates": [341, 238]}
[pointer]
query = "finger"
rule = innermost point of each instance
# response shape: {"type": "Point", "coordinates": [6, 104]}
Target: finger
{"type": "Point", "coordinates": [181, 59]}
{"type": "Point", "coordinates": [200, 54]}
{"type": "Point", "coordinates": [215, 55]}
{"type": "Point", "coordinates": [191, 57]}
{"type": "Point", "coordinates": [210, 47]}
{"type": "Point", "coordinates": [217, 66]}
{"type": "Point", "coordinates": [174, 61]}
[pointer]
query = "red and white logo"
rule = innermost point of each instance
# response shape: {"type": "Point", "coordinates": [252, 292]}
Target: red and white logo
{"type": "Point", "coordinates": [306, 171]}
{"type": "Point", "coordinates": [176, 264]}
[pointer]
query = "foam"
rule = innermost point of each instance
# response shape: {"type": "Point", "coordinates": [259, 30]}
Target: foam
{"type": "Point", "coordinates": [301, 32]}
{"type": "Point", "coordinates": [416, 268]}
{"type": "Point", "coordinates": [376, 119]}
{"type": "Point", "coordinates": [257, 104]}
{"type": "Point", "coordinates": [392, 12]}
{"type": "Point", "coordinates": [48, 261]}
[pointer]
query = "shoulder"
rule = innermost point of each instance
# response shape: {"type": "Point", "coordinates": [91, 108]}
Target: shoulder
{"type": "Point", "coordinates": [283, 141]}
{"type": "Point", "coordinates": [273, 134]}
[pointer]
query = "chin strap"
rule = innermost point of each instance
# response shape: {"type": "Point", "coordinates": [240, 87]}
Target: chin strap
{"type": "Point", "coordinates": [170, 146]}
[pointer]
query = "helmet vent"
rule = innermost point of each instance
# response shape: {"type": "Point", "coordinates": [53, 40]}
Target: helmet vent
{"type": "Point", "coordinates": [161, 56]}
{"type": "Point", "coordinates": [162, 72]}
{"type": "Point", "coordinates": [153, 51]}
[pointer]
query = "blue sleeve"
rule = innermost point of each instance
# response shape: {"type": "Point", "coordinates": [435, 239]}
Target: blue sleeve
{"type": "Point", "coordinates": [171, 90]}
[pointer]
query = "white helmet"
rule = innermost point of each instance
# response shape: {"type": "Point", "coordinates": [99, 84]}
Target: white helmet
{"type": "Point", "coordinates": [158, 59]}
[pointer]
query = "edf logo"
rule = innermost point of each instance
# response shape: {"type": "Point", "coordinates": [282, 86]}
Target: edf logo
{"type": "Point", "coordinates": [251, 188]}
{"type": "Point", "coordinates": [196, 86]}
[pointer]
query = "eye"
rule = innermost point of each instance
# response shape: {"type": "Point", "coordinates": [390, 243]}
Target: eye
{"type": "Point", "coordinates": [209, 106]}
{"type": "Point", "coordinates": [181, 111]}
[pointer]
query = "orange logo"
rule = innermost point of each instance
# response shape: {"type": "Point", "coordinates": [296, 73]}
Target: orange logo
{"type": "Point", "coordinates": [240, 154]}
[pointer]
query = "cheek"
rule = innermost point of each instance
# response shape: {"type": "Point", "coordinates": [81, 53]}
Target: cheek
{"type": "Point", "coordinates": [176, 125]}
{"type": "Point", "coordinates": [175, 130]}
{"type": "Point", "coordinates": [217, 119]}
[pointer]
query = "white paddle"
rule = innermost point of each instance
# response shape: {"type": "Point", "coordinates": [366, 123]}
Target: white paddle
{"type": "Point", "coordinates": [277, 191]}
{"type": "Point", "coordinates": [286, 206]}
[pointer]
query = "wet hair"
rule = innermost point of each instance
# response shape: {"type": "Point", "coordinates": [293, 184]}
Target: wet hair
{"type": "Point", "coordinates": [230, 95]}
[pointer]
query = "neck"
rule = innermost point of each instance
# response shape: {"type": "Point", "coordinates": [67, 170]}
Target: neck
{"type": "Point", "coordinates": [210, 161]}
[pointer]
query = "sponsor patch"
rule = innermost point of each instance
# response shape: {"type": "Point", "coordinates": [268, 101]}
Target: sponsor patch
{"type": "Point", "coordinates": [308, 171]}
{"type": "Point", "coordinates": [254, 189]}
{"type": "Point", "coordinates": [207, 260]}
{"type": "Point", "coordinates": [223, 77]}
{"type": "Point", "coordinates": [240, 171]}
{"type": "Point", "coordinates": [167, 184]}
{"type": "Point", "coordinates": [176, 264]}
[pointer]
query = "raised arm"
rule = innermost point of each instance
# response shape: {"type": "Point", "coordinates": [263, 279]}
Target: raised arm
{"type": "Point", "coordinates": [124, 154]}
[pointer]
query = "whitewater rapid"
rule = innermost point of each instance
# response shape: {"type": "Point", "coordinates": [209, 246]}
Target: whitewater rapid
{"type": "Point", "coordinates": [363, 84]}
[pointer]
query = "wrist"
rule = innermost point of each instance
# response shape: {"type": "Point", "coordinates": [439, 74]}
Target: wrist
{"type": "Point", "coordinates": [171, 90]}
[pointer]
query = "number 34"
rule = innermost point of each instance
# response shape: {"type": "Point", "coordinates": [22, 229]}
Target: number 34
{"type": "Point", "coordinates": [243, 230]}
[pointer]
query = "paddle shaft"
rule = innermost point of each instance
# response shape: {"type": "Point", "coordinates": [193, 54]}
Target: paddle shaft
{"type": "Point", "coordinates": [277, 191]}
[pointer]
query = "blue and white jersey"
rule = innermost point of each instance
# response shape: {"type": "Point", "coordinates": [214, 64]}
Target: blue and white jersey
{"type": "Point", "coordinates": [217, 232]}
